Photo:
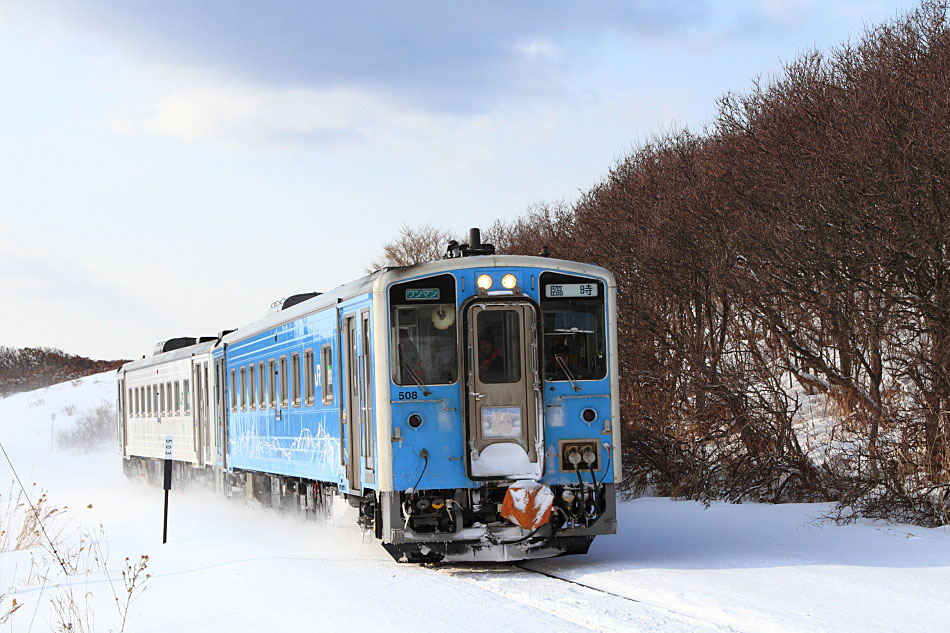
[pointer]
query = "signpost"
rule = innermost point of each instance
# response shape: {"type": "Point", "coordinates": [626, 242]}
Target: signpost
{"type": "Point", "coordinates": [167, 486]}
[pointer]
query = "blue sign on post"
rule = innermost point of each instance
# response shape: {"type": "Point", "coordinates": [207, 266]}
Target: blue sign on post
{"type": "Point", "coordinates": [167, 486]}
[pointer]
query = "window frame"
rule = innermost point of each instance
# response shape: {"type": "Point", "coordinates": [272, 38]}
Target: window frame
{"type": "Point", "coordinates": [284, 383]}
{"type": "Point", "coordinates": [272, 382]}
{"type": "Point", "coordinates": [309, 378]}
{"type": "Point", "coordinates": [295, 379]}
{"type": "Point", "coordinates": [262, 385]}
{"type": "Point", "coordinates": [242, 395]}
{"type": "Point", "coordinates": [251, 387]}
{"type": "Point", "coordinates": [326, 373]}
{"type": "Point", "coordinates": [233, 390]}
{"type": "Point", "coordinates": [178, 406]}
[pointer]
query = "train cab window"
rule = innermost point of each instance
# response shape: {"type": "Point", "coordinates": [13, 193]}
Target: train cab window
{"type": "Point", "coordinates": [251, 388]}
{"type": "Point", "coordinates": [272, 383]}
{"type": "Point", "coordinates": [574, 336]}
{"type": "Point", "coordinates": [261, 392]}
{"type": "Point", "coordinates": [284, 395]}
{"type": "Point", "coordinates": [499, 346]}
{"type": "Point", "coordinates": [186, 391]}
{"type": "Point", "coordinates": [424, 335]}
{"type": "Point", "coordinates": [177, 398]}
{"type": "Point", "coordinates": [326, 374]}
{"type": "Point", "coordinates": [295, 378]}
{"type": "Point", "coordinates": [308, 377]}
{"type": "Point", "coordinates": [234, 390]}
{"type": "Point", "coordinates": [242, 395]}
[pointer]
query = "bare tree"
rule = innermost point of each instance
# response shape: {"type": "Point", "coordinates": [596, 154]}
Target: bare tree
{"type": "Point", "coordinates": [414, 245]}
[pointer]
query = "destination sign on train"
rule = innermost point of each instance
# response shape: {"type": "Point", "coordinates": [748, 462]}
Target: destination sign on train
{"type": "Point", "coordinates": [421, 294]}
{"type": "Point", "coordinates": [559, 291]}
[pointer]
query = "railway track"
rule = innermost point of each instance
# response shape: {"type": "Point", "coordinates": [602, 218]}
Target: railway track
{"type": "Point", "coordinates": [585, 607]}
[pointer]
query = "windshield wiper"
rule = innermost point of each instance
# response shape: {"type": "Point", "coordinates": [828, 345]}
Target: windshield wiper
{"type": "Point", "coordinates": [567, 372]}
{"type": "Point", "coordinates": [415, 378]}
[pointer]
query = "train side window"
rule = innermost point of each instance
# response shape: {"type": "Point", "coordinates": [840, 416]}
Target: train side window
{"type": "Point", "coordinates": [308, 377]}
{"type": "Point", "coordinates": [169, 407]}
{"type": "Point", "coordinates": [135, 407]}
{"type": "Point", "coordinates": [177, 397]}
{"type": "Point", "coordinates": [128, 406]}
{"type": "Point", "coordinates": [261, 391]}
{"type": "Point", "coordinates": [284, 396]}
{"type": "Point", "coordinates": [295, 378]}
{"type": "Point", "coordinates": [326, 374]}
{"type": "Point", "coordinates": [233, 390]}
{"type": "Point", "coordinates": [272, 383]}
{"type": "Point", "coordinates": [157, 400]}
{"type": "Point", "coordinates": [186, 389]}
{"type": "Point", "coordinates": [147, 400]}
{"type": "Point", "coordinates": [251, 388]}
{"type": "Point", "coordinates": [161, 399]}
{"type": "Point", "coordinates": [242, 397]}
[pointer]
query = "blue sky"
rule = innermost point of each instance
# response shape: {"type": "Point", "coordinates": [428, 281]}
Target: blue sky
{"type": "Point", "coordinates": [172, 168]}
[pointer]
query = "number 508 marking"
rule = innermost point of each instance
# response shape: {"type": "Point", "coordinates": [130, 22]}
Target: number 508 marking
{"type": "Point", "coordinates": [408, 395]}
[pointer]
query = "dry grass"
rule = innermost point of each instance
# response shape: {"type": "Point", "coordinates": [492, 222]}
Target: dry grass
{"type": "Point", "coordinates": [94, 429]}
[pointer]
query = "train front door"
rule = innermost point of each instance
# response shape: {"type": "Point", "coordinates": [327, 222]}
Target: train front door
{"type": "Point", "coordinates": [505, 431]}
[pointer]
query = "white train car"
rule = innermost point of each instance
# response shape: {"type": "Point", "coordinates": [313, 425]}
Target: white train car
{"type": "Point", "coordinates": [168, 395]}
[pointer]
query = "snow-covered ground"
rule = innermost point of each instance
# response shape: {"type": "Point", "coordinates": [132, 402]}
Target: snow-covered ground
{"type": "Point", "coordinates": [675, 566]}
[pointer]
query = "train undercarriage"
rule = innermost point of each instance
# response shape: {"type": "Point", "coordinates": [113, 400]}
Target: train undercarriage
{"type": "Point", "coordinates": [425, 526]}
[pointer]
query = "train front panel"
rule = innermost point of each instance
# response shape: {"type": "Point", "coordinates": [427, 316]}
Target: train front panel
{"type": "Point", "coordinates": [501, 387]}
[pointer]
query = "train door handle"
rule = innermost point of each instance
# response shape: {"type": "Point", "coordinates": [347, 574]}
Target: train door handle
{"type": "Point", "coordinates": [476, 395]}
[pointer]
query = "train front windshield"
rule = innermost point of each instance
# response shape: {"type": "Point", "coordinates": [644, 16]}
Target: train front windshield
{"type": "Point", "coordinates": [575, 342]}
{"type": "Point", "coordinates": [424, 334]}
{"type": "Point", "coordinates": [424, 353]}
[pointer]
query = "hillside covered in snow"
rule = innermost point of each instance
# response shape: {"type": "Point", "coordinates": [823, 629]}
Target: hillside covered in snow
{"type": "Point", "coordinates": [228, 566]}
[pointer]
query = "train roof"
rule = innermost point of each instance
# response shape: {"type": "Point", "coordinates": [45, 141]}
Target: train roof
{"type": "Point", "coordinates": [378, 280]}
{"type": "Point", "coordinates": [166, 357]}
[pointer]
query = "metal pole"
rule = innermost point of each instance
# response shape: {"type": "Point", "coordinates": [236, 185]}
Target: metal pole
{"type": "Point", "coordinates": [165, 520]}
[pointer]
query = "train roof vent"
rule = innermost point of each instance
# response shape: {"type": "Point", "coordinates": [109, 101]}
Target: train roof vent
{"type": "Point", "coordinates": [174, 343]}
{"type": "Point", "coordinates": [293, 300]}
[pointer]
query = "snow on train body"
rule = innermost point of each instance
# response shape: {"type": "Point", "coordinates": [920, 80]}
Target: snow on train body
{"type": "Point", "coordinates": [467, 406]}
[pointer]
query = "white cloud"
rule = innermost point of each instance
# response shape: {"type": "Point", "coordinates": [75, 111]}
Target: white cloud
{"type": "Point", "coordinates": [262, 118]}
{"type": "Point", "coordinates": [539, 50]}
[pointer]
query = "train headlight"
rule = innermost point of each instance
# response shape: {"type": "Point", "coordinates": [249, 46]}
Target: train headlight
{"type": "Point", "coordinates": [567, 496]}
{"type": "Point", "coordinates": [484, 282]}
{"type": "Point", "coordinates": [589, 415]}
{"type": "Point", "coordinates": [415, 420]}
{"type": "Point", "coordinates": [509, 281]}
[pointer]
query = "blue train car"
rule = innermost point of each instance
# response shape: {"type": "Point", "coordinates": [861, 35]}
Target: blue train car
{"type": "Point", "coordinates": [468, 406]}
